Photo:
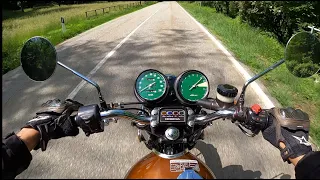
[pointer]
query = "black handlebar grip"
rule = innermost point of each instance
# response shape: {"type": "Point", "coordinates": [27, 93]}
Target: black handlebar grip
{"type": "Point", "coordinates": [89, 119]}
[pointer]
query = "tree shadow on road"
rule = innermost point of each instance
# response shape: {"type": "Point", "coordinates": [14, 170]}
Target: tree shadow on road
{"type": "Point", "coordinates": [213, 161]}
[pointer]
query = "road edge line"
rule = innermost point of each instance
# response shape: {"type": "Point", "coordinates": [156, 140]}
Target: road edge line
{"type": "Point", "coordinates": [96, 27]}
{"type": "Point", "coordinates": [98, 66]}
{"type": "Point", "coordinates": [257, 89]}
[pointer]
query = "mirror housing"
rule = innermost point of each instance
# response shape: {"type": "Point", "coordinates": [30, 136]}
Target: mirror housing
{"type": "Point", "coordinates": [303, 51]}
{"type": "Point", "coordinates": [302, 55]}
{"type": "Point", "coordinates": [38, 58]}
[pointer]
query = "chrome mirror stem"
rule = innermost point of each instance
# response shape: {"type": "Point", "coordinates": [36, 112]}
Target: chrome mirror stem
{"type": "Point", "coordinates": [242, 95]}
{"type": "Point", "coordinates": [102, 101]}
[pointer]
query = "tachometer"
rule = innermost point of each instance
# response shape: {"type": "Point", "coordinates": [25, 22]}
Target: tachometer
{"type": "Point", "coordinates": [191, 86]}
{"type": "Point", "coordinates": [151, 86]}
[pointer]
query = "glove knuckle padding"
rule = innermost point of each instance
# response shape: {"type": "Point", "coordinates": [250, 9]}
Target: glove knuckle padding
{"type": "Point", "coordinates": [290, 127]}
{"type": "Point", "coordinates": [293, 120]}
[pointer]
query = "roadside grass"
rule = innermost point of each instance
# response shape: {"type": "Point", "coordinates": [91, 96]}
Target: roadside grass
{"type": "Point", "coordinates": [258, 50]}
{"type": "Point", "coordinates": [18, 27]}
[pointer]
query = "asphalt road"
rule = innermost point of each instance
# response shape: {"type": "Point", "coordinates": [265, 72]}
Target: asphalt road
{"type": "Point", "coordinates": [169, 41]}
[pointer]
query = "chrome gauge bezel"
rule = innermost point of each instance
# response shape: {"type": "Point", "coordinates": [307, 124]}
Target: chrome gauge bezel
{"type": "Point", "coordinates": [141, 99]}
{"type": "Point", "coordinates": [177, 87]}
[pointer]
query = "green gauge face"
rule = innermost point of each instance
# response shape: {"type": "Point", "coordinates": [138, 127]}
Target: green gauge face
{"type": "Point", "coordinates": [194, 86]}
{"type": "Point", "coordinates": [151, 85]}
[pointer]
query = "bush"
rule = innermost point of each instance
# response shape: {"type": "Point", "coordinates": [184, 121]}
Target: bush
{"type": "Point", "coordinates": [281, 18]}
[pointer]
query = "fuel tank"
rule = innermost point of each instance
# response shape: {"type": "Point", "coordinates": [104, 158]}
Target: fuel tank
{"type": "Point", "coordinates": [153, 166]}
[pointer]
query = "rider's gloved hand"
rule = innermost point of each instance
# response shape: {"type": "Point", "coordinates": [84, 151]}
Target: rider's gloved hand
{"type": "Point", "coordinates": [54, 120]}
{"type": "Point", "coordinates": [291, 127]}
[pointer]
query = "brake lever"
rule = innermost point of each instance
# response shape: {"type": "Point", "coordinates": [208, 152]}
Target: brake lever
{"type": "Point", "coordinates": [245, 132]}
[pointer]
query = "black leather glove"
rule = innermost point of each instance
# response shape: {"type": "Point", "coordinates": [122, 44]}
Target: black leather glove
{"type": "Point", "coordinates": [54, 120]}
{"type": "Point", "coordinates": [290, 126]}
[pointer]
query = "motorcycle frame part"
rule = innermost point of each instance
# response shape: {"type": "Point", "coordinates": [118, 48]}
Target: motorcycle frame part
{"type": "Point", "coordinates": [153, 166]}
{"type": "Point", "coordinates": [151, 137]}
{"type": "Point", "coordinates": [102, 101]}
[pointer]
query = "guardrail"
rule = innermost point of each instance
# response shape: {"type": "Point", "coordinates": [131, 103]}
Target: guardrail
{"type": "Point", "coordinates": [116, 7]}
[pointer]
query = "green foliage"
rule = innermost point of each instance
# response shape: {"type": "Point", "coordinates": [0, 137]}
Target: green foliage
{"type": "Point", "coordinates": [38, 58]}
{"type": "Point", "coordinates": [19, 26]}
{"type": "Point", "coordinates": [281, 18]}
{"type": "Point", "coordinates": [229, 8]}
{"type": "Point", "coordinates": [302, 55]}
{"type": "Point", "coordinates": [258, 50]}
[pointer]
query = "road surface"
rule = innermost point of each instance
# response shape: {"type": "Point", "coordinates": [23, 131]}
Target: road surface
{"type": "Point", "coordinates": [163, 37]}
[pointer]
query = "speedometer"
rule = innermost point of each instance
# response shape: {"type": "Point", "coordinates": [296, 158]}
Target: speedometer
{"type": "Point", "coordinates": [191, 86]}
{"type": "Point", "coordinates": [151, 86]}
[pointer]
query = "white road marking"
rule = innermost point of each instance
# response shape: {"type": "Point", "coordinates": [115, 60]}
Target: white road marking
{"type": "Point", "coordinates": [98, 66]}
{"type": "Point", "coordinates": [245, 74]}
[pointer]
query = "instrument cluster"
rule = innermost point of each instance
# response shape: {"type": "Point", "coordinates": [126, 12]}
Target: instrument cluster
{"type": "Point", "coordinates": [153, 87]}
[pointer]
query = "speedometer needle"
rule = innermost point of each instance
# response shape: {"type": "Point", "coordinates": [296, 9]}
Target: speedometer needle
{"type": "Point", "coordinates": [147, 86]}
{"type": "Point", "coordinates": [195, 84]}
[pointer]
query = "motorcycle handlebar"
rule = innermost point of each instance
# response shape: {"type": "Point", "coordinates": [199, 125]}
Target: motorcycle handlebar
{"type": "Point", "coordinates": [227, 113]}
{"type": "Point", "coordinates": [90, 119]}
{"type": "Point", "coordinates": [125, 114]}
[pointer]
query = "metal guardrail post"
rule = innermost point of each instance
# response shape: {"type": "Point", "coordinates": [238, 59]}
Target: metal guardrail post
{"type": "Point", "coordinates": [124, 6]}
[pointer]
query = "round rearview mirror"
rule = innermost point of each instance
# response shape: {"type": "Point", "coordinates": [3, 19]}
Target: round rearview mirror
{"type": "Point", "coordinates": [302, 55]}
{"type": "Point", "coordinates": [38, 58]}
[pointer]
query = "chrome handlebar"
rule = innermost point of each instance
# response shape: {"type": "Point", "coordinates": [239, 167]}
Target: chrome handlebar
{"type": "Point", "coordinates": [199, 119]}
{"type": "Point", "coordinates": [125, 114]}
{"type": "Point", "coordinates": [226, 113]}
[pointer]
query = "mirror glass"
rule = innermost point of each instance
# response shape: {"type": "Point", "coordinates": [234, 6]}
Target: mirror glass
{"type": "Point", "coordinates": [302, 55]}
{"type": "Point", "coordinates": [38, 58]}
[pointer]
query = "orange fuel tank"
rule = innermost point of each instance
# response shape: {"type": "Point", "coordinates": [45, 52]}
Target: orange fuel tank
{"type": "Point", "coordinates": [153, 166]}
